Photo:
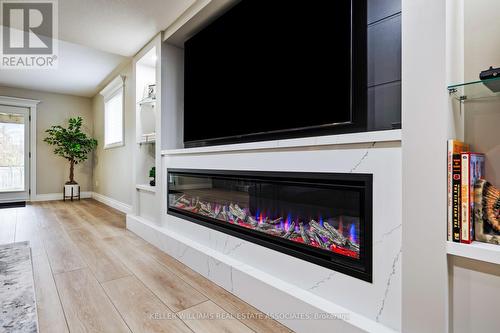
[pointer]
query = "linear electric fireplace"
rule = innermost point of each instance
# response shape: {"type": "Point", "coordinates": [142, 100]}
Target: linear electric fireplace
{"type": "Point", "coordinates": [323, 218]}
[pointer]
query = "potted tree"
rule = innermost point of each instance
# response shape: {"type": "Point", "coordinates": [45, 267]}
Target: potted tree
{"type": "Point", "coordinates": [152, 174]}
{"type": "Point", "coordinates": [72, 144]}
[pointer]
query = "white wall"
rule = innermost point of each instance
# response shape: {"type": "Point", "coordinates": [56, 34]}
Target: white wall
{"type": "Point", "coordinates": [56, 109]}
{"type": "Point", "coordinates": [482, 50]}
{"type": "Point", "coordinates": [113, 167]}
{"type": "Point", "coordinates": [425, 131]}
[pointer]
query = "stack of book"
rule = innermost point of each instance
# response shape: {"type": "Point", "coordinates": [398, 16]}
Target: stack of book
{"type": "Point", "coordinates": [465, 168]}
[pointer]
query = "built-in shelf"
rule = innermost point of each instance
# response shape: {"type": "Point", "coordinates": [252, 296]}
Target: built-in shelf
{"type": "Point", "coordinates": [150, 141]}
{"type": "Point", "coordinates": [339, 139]}
{"type": "Point", "coordinates": [475, 89]}
{"type": "Point", "coordinates": [146, 187]}
{"type": "Point", "coordinates": [476, 250]}
{"type": "Point", "coordinates": [147, 138]}
{"type": "Point", "coordinates": [147, 101]}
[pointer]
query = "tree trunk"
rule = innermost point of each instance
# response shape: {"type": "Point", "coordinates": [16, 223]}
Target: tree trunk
{"type": "Point", "coordinates": [71, 172]}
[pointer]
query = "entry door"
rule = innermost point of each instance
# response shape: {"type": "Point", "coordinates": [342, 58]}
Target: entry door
{"type": "Point", "coordinates": [14, 154]}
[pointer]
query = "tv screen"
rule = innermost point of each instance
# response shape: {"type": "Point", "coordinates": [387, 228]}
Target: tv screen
{"type": "Point", "coordinates": [276, 69]}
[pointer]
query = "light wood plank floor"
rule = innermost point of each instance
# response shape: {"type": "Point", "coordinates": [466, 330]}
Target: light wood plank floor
{"type": "Point", "coordinates": [93, 275]}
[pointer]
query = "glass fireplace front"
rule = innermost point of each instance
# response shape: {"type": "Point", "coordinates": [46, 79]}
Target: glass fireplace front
{"type": "Point", "coordinates": [323, 218]}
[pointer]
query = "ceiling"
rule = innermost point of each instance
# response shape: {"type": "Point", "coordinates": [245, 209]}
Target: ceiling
{"type": "Point", "coordinates": [95, 37]}
{"type": "Point", "coordinates": [79, 71]}
{"type": "Point", "coordinates": [117, 26]}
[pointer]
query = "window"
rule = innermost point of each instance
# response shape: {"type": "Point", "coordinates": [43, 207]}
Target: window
{"type": "Point", "coordinates": [113, 120]}
{"type": "Point", "coordinates": [113, 113]}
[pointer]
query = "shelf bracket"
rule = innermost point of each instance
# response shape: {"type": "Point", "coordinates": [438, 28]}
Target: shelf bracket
{"type": "Point", "coordinates": [453, 92]}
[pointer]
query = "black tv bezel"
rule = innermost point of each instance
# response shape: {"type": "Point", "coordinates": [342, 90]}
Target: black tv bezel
{"type": "Point", "coordinates": [357, 94]}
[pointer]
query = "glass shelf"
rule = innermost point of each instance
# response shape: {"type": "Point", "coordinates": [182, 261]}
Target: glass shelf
{"type": "Point", "coordinates": [148, 141]}
{"type": "Point", "coordinates": [475, 89]}
{"type": "Point", "coordinates": [147, 138]}
{"type": "Point", "coordinates": [147, 101]}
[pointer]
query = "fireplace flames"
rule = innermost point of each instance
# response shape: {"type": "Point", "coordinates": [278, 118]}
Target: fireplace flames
{"type": "Point", "coordinates": [323, 233]}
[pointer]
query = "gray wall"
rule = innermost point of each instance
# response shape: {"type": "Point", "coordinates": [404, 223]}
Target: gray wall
{"type": "Point", "coordinates": [384, 64]}
{"type": "Point", "coordinates": [56, 109]}
{"type": "Point", "coordinates": [113, 168]}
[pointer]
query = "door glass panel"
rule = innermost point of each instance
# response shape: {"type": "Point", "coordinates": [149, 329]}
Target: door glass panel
{"type": "Point", "coordinates": [11, 152]}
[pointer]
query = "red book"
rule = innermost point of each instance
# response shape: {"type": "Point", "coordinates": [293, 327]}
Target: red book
{"type": "Point", "coordinates": [456, 192]}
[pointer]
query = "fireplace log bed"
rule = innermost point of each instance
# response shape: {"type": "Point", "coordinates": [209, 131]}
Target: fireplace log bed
{"type": "Point", "coordinates": [311, 233]}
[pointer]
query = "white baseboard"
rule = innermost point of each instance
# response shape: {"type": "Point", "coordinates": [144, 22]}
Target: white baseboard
{"type": "Point", "coordinates": [122, 207]}
{"type": "Point", "coordinates": [58, 196]}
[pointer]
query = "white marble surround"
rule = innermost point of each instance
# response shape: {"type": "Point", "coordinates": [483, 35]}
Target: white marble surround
{"type": "Point", "coordinates": [278, 283]}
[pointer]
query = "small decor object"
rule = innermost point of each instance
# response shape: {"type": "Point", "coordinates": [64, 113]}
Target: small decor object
{"type": "Point", "coordinates": [150, 91]}
{"type": "Point", "coordinates": [149, 137]}
{"type": "Point", "coordinates": [487, 211]}
{"type": "Point", "coordinates": [74, 145]}
{"type": "Point", "coordinates": [491, 73]}
{"type": "Point", "coordinates": [152, 174]}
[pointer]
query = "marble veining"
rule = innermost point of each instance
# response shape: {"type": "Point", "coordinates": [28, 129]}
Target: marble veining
{"type": "Point", "coordinates": [231, 278]}
{"type": "Point", "coordinates": [388, 286]}
{"type": "Point", "coordinates": [17, 292]}
{"type": "Point", "coordinates": [322, 281]}
{"type": "Point", "coordinates": [211, 261]}
{"type": "Point", "coordinates": [381, 301]}
{"type": "Point", "coordinates": [387, 233]}
{"type": "Point", "coordinates": [232, 249]}
{"type": "Point", "coordinates": [183, 253]}
{"type": "Point", "coordinates": [362, 158]}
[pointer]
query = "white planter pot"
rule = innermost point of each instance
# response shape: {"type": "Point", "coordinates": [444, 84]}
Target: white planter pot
{"type": "Point", "coordinates": [67, 191]}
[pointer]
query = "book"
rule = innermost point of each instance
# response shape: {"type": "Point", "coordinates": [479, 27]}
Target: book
{"type": "Point", "coordinates": [454, 147]}
{"type": "Point", "coordinates": [472, 171]}
{"type": "Point", "coordinates": [456, 192]}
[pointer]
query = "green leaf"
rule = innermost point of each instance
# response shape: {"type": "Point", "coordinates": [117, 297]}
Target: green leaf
{"type": "Point", "coordinates": [70, 143]}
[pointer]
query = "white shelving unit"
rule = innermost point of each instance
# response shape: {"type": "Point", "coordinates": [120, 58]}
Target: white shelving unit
{"type": "Point", "coordinates": [147, 154]}
{"type": "Point", "coordinates": [147, 101]}
{"type": "Point", "coordinates": [472, 274]}
{"type": "Point", "coordinates": [147, 141]}
{"type": "Point", "coordinates": [146, 110]}
{"type": "Point", "coordinates": [147, 138]}
{"type": "Point", "coordinates": [476, 250]}
{"type": "Point", "coordinates": [146, 188]}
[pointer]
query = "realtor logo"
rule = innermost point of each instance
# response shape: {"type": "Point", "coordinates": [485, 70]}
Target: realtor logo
{"type": "Point", "coordinates": [29, 34]}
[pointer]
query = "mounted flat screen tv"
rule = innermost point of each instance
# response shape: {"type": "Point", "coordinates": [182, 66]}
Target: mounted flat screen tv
{"type": "Point", "coordinates": [276, 69]}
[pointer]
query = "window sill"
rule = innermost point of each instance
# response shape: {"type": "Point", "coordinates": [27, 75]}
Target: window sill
{"type": "Point", "coordinates": [114, 145]}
